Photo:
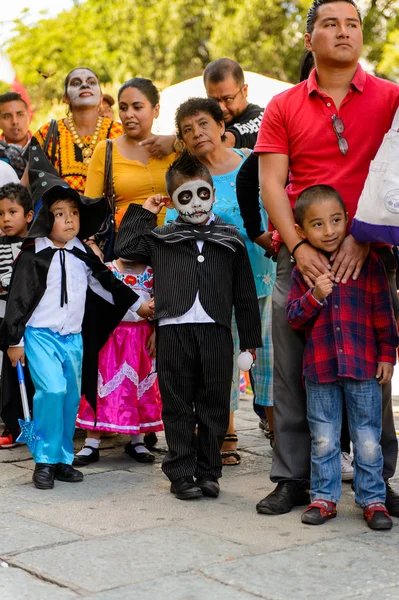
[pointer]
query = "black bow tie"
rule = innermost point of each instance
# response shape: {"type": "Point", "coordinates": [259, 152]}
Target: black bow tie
{"type": "Point", "coordinates": [179, 231]}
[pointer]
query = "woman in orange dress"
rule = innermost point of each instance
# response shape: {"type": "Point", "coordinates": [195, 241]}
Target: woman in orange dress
{"type": "Point", "coordinates": [70, 149]}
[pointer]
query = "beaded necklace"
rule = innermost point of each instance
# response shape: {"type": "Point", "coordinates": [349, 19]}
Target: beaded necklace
{"type": "Point", "coordinates": [87, 149]}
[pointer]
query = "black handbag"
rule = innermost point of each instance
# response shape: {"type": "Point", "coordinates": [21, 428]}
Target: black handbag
{"type": "Point", "coordinates": [105, 237]}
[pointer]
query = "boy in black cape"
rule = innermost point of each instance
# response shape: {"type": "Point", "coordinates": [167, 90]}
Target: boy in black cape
{"type": "Point", "coordinates": [58, 283]}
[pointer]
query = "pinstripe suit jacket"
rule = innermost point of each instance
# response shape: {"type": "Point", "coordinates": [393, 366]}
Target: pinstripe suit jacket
{"type": "Point", "coordinates": [224, 279]}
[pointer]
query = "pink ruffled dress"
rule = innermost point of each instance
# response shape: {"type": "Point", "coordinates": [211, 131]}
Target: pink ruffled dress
{"type": "Point", "coordinates": [128, 398]}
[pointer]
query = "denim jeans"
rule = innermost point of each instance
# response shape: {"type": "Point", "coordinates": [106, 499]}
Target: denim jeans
{"type": "Point", "coordinates": [324, 411]}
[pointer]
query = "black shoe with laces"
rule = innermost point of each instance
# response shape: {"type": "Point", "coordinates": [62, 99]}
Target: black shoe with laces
{"type": "Point", "coordinates": [283, 498]}
{"type": "Point", "coordinates": [392, 500]}
{"type": "Point", "coordinates": [184, 488]}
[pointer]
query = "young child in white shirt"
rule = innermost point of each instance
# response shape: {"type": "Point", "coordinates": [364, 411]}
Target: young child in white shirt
{"type": "Point", "coordinates": [48, 300]}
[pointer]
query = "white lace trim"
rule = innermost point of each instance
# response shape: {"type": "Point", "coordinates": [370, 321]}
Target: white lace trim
{"type": "Point", "coordinates": [125, 371]}
{"type": "Point", "coordinates": [148, 382]}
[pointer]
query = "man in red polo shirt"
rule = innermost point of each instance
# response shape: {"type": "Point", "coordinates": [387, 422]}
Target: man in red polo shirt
{"type": "Point", "coordinates": [325, 130]}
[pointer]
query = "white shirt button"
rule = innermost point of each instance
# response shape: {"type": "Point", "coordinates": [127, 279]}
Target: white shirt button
{"type": "Point", "coordinates": [328, 103]}
{"type": "Point", "coordinates": [200, 258]}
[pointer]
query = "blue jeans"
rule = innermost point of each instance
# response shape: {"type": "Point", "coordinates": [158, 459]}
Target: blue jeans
{"type": "Point", "coordinates": [364, 409]}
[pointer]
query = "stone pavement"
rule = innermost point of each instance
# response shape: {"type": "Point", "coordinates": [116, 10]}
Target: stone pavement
{"type": "Point", "coordinates": [120, 534]}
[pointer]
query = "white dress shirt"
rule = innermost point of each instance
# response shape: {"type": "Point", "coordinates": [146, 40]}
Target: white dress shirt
{"type": "Point", "coordinates": [49, 313]}
{"type": "Point", "coordinates": [196, 314]}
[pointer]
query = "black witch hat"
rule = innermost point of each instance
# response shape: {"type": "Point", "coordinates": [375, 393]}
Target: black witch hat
{"type": "Point", "coordinates": [47, 187]}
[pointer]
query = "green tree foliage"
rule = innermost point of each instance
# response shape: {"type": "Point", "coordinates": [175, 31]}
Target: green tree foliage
{"type": "Point", "coordinates": [171, 40]}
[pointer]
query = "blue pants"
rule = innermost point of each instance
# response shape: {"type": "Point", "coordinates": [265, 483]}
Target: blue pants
{"type": "Point", "coordinates": [364, 409]}
{"type": "Point", "coordinates": [55, 364]}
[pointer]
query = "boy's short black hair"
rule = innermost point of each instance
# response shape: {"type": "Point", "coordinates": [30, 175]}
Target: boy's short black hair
{"type": "Point", "coordinates": [185, 168]}
{"type": "Point", "coordinates": [16, 192]}
{"type": "Point", "coordinates": [313, 194]}
{"type": "Point", "coordinates": [61, 193]}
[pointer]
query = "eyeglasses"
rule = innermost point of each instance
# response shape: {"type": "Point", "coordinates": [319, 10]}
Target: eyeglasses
{"type": "Point", "coordinates": [227, 100]}
{"type": "Point", "coordinates": [339, 127]}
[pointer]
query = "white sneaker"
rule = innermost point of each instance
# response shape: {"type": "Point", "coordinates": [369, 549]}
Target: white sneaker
{"type": "Point", "coordinates": [346, 467]}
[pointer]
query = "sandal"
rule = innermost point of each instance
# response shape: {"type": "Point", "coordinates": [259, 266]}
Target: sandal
{"type": "Point", "coordinates": [226, 454]}
{"type": "Point", "coordinates": [141, 457]}
{"type": "Point", "coordinates": [270, 436]}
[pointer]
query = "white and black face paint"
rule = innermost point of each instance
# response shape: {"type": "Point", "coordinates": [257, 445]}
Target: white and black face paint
{"type": "Point", "coordinates": [83, 89]}
{"type": "Point", "coordinates": [193, 201]}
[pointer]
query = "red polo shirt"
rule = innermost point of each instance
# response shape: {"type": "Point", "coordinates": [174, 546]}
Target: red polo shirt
{"type": "Point", "coordinates": [298, 123]}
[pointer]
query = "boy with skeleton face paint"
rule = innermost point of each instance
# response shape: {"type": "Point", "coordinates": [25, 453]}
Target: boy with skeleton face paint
{"type": "Point", "coordinates": [201, 271]}
{"type": "Point", "coordinates": [193, 201]}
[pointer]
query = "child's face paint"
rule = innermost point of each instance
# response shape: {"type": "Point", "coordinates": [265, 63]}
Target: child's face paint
{"type": "Point", "coordinates": [193, 201]}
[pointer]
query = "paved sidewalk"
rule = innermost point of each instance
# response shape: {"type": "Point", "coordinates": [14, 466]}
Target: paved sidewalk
{"type": "Point", "coordinates": [121, 534]}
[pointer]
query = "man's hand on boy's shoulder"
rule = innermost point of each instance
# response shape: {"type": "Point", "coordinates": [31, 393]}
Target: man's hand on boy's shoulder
{"type": "Point", "coordinates": [348, 260]}
{"type": "Point", "coordinates": [384, 372]}
{"type": "Point", "coordinates": [16, 353]}
{"type": "Point", "coordinates": [156, 203]}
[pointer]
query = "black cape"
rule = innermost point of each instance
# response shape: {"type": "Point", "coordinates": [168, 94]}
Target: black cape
{"type": "Point", "coordinates": [27, 286]}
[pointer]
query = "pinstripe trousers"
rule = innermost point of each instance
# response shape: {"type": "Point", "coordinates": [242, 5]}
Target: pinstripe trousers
{"type": "Point", "coordinates": [195, 366]}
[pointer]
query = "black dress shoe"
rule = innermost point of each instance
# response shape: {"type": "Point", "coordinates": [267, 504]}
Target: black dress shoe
{"type": "Point", "coordinates": [82, 461]}
{"type": "Point", "coordinates": [392, 501]}
{"type": "Point", "coordinates": [185, 489]}
{"type": "Point", "coordinates": [67, 473]}
{"type": "Point", "coordinates": [141, 457]}
{"type": "Point", "coordinates": [43, 476]}
{"type": "Point", "coordinates": [209, 486]}
{"type": "Point", "coordinates": [283, 498]}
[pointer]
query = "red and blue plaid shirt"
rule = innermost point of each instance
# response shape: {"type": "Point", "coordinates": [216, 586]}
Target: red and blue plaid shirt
{"type": "Point", "coordinates": [351, 331]}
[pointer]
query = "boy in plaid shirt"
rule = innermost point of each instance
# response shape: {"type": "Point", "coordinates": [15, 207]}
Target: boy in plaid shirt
{"type": "Point", "coordinates": [350, 351]}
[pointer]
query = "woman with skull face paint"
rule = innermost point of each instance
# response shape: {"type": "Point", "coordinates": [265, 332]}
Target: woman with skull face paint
{"type": "Point", "coordinates": [200, 124]}
{"type": "Point", "coordinates": [70, 149]}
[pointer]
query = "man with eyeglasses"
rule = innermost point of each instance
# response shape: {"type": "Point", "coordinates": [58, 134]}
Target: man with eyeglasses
{"type": "Point", "coordinates": [325, 130]}
{"type": "Point", "coordinates": [224, 82]}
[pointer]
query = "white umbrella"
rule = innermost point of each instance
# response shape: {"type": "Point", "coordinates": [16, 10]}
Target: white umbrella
{"type": "Point", "coordinates": [261, 90]}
